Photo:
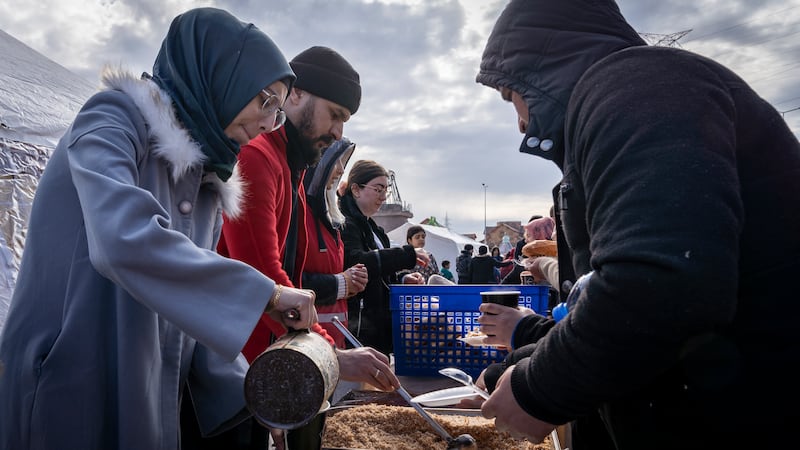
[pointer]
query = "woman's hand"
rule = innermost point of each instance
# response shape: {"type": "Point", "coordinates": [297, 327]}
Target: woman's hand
{"type": "Point", "coordinates": [292, 307]}
{"type": "Point", "coordinates": [366, 365]}
{"type": "Point", "coordinates": [356, 279]}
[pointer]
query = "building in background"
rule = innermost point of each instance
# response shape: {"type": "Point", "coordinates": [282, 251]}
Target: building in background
{"type": "Point", "coordinates": [394, 212]}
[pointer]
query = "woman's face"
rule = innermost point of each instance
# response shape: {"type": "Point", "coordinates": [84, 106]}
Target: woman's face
{"type": "Point", "coordinates": [370, 196]}
{"type": "Point", "coordinates": [253, 120]}
{"type": "Point", "coordinates": [336, 173]}
{"type": "Point", "coordinates": [417, 240]}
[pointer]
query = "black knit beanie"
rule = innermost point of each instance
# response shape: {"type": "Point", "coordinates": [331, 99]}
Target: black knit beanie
{"type": "Point", "coordinates": [325, 73]}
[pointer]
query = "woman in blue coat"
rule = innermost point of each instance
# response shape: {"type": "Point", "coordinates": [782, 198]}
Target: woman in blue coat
{"type": "Point", "coordinates": [121, 299]}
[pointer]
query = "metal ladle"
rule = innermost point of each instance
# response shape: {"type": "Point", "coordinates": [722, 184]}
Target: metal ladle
{"type": "Point", "coordinates": [465, 379]}
{"type": "Point", "coordinates": [463, 442]}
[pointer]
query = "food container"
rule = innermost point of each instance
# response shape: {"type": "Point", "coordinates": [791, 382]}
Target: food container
{"type": "Point", "coordinates": [291, 382]}
{"type": "Point", "coordinates": [429, 320]}
{"type": "Point", "coordinates": [456, 427]}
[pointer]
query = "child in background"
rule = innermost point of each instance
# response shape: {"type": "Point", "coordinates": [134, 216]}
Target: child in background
{"type": "Point", "coordinates": [446, 270]}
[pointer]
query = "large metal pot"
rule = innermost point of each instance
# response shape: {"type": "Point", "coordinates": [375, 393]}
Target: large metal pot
{"type": "Point", "coordinates": [291, 382]}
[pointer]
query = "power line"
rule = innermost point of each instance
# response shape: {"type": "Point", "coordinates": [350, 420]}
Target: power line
{"type": "Point", "coordinates": [741, 24]}
{"type": "Point", "coordinates": [789, 110]}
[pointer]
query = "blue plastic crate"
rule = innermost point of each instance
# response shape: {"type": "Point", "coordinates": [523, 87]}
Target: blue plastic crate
{"type": "Point", "coordinates": [427, 321]}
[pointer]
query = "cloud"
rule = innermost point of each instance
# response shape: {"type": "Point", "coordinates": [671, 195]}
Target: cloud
{"type": "Point", "coordinates": [422, 114]}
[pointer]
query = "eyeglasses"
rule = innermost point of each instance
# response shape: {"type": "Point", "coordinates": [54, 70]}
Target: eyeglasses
{"type": "Point", "coordinates": [272, 105]}
{"type": "Point", "coordinates": [379, 189]}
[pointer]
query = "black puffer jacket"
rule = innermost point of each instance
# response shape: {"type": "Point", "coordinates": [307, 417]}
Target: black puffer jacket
{"type": "Point", "coordinates": [370, 318]}
{"type": "Point", "coordinates": [681, 191]}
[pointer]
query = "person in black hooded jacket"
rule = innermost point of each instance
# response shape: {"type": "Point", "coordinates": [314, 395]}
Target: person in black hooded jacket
{"type": "Point", "coordinates": [686, 335]}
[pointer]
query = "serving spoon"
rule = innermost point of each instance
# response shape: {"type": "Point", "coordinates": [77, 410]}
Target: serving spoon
{"type": "Point", "coordinates": [463, 378]}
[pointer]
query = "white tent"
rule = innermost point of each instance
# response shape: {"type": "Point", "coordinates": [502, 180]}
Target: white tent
{"type": "Point", "coordinates": [441, 242]}
{"type": "Point", "coordinates": [38, 100]}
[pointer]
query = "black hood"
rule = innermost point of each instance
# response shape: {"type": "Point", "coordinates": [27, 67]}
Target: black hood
{"type": "Point", "coordinates": [540, 48]}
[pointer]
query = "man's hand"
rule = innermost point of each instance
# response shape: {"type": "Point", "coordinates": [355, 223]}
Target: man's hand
{"type": "Point", "coordinates": [367, 365]}
{"type": "Point", "coordinates": [509, 416]}
{"type": "Point", "coordinates": [498, 322]}
{"type": "Point", "coordinates": [287, 301]}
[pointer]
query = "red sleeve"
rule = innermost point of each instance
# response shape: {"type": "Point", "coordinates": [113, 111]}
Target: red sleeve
{"type": "Point", "coordinates": [253, 237]}
{"type": "Point", "coordinates": [258, 236]}
{"type": "Point", "coordinates": [317, 328]}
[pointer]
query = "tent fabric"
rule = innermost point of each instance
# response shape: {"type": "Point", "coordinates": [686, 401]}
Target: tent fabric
{"type": "Point", "coordinates": [38, 101]}
{"type": "Point", "coordinates": [441, 242]}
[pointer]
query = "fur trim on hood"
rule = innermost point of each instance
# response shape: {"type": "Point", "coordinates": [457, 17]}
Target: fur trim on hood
{"type": "Point", "coordinates": [172, 142]}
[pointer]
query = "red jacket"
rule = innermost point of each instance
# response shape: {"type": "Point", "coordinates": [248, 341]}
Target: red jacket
{"type": "Point", "coordinates": [258, 236]}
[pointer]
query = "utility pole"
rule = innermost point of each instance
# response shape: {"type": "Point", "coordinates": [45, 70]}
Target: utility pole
{"type": "Point", "coordinates": [484, 208]}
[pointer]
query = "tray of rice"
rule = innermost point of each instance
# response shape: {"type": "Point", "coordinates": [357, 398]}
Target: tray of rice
{"type": "Point", "coordinates": [390, 427]}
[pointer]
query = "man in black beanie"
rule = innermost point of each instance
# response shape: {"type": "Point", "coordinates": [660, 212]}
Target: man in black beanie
{"type": "Point", "coordinates": [270, 232]}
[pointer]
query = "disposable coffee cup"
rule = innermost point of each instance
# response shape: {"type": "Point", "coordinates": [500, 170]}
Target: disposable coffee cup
{"type": "Point", "coordinates": [505, 298]}
{"type": "Point", "coordinates": [526, 277]}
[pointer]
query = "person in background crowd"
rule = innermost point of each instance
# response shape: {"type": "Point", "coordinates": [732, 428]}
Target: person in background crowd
{"type": "Point", "coordinates": [481, 268]}
{"type": "Point", "coordinates": [521, 242]}
{"type": "Point", "coordinates": [271, 233]}
{"type": "Point", "coordinates": [446, 273]}
{"type": "Point", "coordinates": [120, 299]}
{"type": "Point", "coordinates": [682, 338]}
{"type": "Point", "coordinates": [505, 245]}
{"type": "Point", "coordinates": [367, 243]}
{"type": "Point", "coordinates": [504, 271]}
{"type": "Point", "coordinates": [495, 254]}
{"type": "Point", "coordinates": [540, 228]}
{"type": "Point", "coordinates": [462, 264]}
{"type": "Point", "coordinates": [415, 237]}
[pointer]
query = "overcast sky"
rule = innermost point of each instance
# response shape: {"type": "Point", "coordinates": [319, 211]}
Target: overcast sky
{"type": "Point", "coordinates": [422, 114]}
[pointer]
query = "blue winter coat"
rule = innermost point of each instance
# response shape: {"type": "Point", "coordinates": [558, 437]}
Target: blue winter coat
{"type": "Point", "coordinates": [121, 299]}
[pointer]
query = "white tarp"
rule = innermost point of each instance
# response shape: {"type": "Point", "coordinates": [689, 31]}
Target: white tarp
{"type": "Point", "coordinates": [441, 242]}
{"type": "Point", "coordinates": [38, 100]}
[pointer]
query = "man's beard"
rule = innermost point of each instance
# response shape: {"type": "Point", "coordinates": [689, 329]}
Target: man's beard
{"type": "Point", "coordinates": [308, 144]}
